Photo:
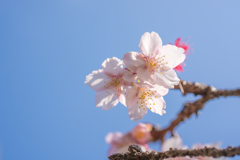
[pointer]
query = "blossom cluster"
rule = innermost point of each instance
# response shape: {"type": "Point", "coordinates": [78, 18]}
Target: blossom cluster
{"type": "Point", "coordinates": [140, 86]}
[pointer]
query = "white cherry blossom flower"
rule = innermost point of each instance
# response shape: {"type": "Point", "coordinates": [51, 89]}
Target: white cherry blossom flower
{"type": "Point", "coordinates": [155, 63]}
{"type": "Point", "coordinates": [111, 82]}
{"type": "Point", "coordinates": [143, 96]}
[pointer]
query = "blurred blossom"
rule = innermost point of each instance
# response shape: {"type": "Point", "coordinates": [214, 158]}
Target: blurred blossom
{"type": "Point", "coordinates": [119, 142]}
{"type": "Point", "coordinates": [186, 48]}
{"type": "Point", "coordinates": [176, 142]}
{"type": "Point", "coordinates": [141, 133]}
{"type": "Point", "coordinates": [173, 142]}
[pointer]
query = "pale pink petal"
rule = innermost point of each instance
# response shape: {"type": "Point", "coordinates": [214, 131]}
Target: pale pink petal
{"type": "Point", "coordinates": [129, 76]}
{"type": "Point", "coordinates": [145, 75]}
{"type": "Point", "coordinates": [96, 80]}
{"type": "Point", "coordinates": [162, 91]}
{"type": "Point", "coordinates": [173, 142]}
{"type": "Point", "coordinates": [182, 158]}
{"type": "Point", "coordinates": [167, 78]}
{"type": "Point", "coordinates": [135, 112]}
{"type": "Point", "coordinates": [111, 137]}
{"type": "Point", "coordinates": [150, 43]}
{"type": "Point", "coordinates": [133, 61]}
{"type": "Point", "coordinates": [220, 158]}
{"type": "Point", "coordinates": [122, 97]}
{"type": "Point", "coordinates": [107, 101]}
{"type": "Point", "coordinates": [132, 95]}
{"type": "Point", "coordinates": [112, 66]}
{"type": "Point", "coordinates": [133, 107]}
{"type": "Point", "coordinates": [199, 145]}
{"type": "Point", "coordinates": [121, 150]}
{"type": "Point", "coordinates": [158, 105]}
{"type": "Point", "coordinates": [145, 84]}
{"type": "Point", "coordinates": [173, 55]}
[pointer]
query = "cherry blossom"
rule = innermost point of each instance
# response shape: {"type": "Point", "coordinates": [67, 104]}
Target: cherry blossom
{"type": "Point", "coordinates": [141, 133]}
{"type": "Point", "coordinates": [120, 142]}
{"type": "Point", "coordinates": [155, 63]}
{"type": "Point", "coordinates": [186, 48]}
{"type": "Point", "coordinates": [143, 96]}
{"type": "Point", "coordinates": [111, 82]}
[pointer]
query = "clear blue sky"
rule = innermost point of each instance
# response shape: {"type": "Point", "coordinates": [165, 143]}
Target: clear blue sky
{"type": "Point", "coordinates": [47, 47]}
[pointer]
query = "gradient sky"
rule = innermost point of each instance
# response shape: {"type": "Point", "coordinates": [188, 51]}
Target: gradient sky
{"type": "Point", "coordinates": [47, 47]}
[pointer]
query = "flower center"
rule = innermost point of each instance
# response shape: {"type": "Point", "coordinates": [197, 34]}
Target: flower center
{"type": "Point", "coordinates": [140, 134]}
{"type": "Point", "coordinates": [114, 85]}
{"type": "Point", "coordinates": [145, 98]}
{"type": "Point", "coordinates": [155, 63]}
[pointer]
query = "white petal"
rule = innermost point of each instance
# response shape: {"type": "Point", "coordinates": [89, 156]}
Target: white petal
{"type": "Point", "coordinates": [162, 91]}
{"type": "Point", "coordinates": [129, 76]}
{"type": "Point", "coordinates": [145, 75]}
{"type": "Point", "coordinates": [150, 43]}
{"type": "Point", "coordinates": [158, 105]}
{"type": "Point", "coordinates": [220, 158]}
{"type": "Point", "coordinates": [107, 101]}
{"type": "Point", "coordinates": [133, 61]}
{"type": "Point", "coordinates": [121, 150]}
{"type": "Point", "coordinates": [111, 137]}
{"type": "Point", "coordinates": [132, 95]}
{"type": "Point", "coordinates": [96, 80]}
{"type": "Point", "coordinates": [173, 55]}
{"type": "Point", "coordinates": [135, 112]}
{"type": "Point", "coordinates": [122, 97]}
{"type": "Point", "coordinates": [167, 78]}
{"type": "Point", "coordinates": [113, 66]}
{"type": "Point", "coordinates": [199, 145]}
{"type": "Point", "coordinates": [173, 142]}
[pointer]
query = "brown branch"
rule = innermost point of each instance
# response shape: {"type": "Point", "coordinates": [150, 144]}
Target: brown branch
{"type": "Point", "coordinates": [195, 88]}
{"type": "Point", "coordinates": [135, 154]}
{"type": "Point", "coordinates": [207, 93]}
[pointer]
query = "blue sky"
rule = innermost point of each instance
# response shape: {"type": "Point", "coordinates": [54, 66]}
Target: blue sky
{"type": "Point", "coordinates": [48, 47]}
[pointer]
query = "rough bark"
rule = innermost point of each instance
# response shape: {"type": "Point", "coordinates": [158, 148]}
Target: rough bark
{"type": "Point", "coordinates": [135, 154]}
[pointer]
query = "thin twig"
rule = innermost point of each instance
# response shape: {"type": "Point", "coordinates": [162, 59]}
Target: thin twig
{"type": "Point", "coordinates": [207, 93]}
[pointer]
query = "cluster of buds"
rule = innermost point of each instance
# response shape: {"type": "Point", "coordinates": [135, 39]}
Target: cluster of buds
{"type": "Point", "coordinates": [142, 84]}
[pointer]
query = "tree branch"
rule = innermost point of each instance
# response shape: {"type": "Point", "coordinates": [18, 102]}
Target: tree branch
{"type": "Point", "coordinates": [195, 88]}
{"type": "Point", "coordinates": [207, 93]}
{"type": "Point", "coordinates": [135, 154]}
